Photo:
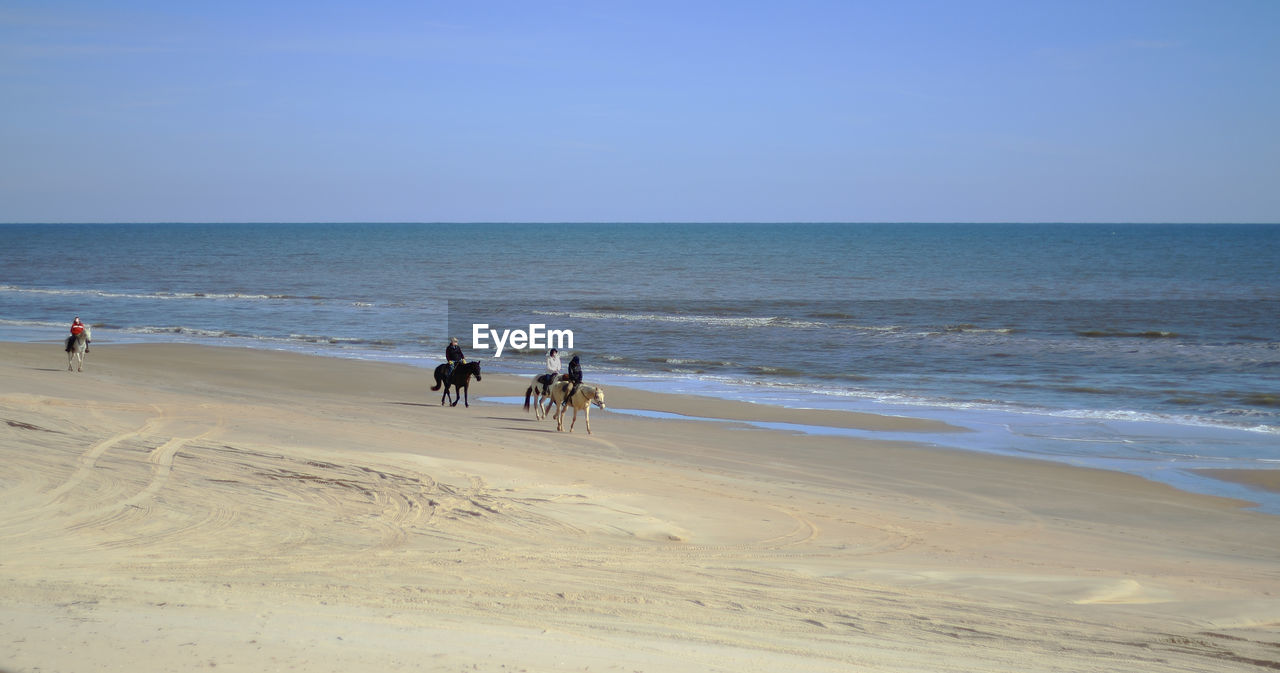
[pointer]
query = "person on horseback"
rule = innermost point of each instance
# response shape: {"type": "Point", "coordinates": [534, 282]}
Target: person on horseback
{"type": "Point", "coordinates": [77, 328]}
{"type": "Point", "coordinates": [574, 377]}
{"type": "Point", "coordinates": [453, 355]}
{"type": "Point", "coordinates": [553, 368]}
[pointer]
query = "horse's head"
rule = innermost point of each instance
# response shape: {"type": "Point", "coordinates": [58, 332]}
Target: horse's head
{"type": "Point", "coordinates": [598, 398]}
{"type": "Point", "coordinates": [475, 368]}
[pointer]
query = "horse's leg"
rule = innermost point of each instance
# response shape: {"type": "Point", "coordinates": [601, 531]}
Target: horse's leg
{"type": "Point", "coordinates": [586, 414]}
{"type": "Point", "coordinates": [466, 402]}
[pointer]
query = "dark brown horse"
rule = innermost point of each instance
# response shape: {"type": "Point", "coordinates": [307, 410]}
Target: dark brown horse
{"type": "Point", "coordinates": [460, 381]}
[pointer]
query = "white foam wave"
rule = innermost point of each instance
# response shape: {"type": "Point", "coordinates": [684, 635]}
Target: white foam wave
{"type": "Point", "coordinates": [661, 317]}
{"type": "Point", "coordinates": [701, 319]}
{"type": "Point", "coordinates": [37, 324]}
{"type": "Point", "coordinates": [105, 294]}
{"type": "Point", "coordinates": [750, 388]}
{"type": "Point", "coordinates": [1151, 417]}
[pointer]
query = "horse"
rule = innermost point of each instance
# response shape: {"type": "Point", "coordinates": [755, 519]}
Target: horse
{"type": "Point", "coordinates": [540, 389]}
{"type": "Point", "coordinates": [77, 344]}
{"type": "Point", "coordinates": [584, 396]}
{"type": "Point", "coordinates": [460, 381]}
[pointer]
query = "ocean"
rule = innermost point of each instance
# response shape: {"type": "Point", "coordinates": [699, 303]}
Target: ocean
{"type": "Point", "coordinates": [1149, 349]}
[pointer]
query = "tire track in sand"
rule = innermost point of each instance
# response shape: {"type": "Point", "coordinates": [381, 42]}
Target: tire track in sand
{"type": "Point", "coordinates": [115, 501]}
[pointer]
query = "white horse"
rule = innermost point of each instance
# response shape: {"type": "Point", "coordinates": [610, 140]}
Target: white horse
{"type": "Point", "coordinates": [539, 391]}
{"type": "Point", "coordinates": [583, 397]}
{"type": "Point", "coordinates": [77, 344]}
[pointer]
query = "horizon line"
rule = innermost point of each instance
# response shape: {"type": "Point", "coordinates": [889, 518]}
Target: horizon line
{"type": "Point", "coordinates": [650, 222]}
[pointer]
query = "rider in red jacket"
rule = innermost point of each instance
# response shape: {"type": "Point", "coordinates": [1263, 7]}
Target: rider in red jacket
{"type": "Point", "coordinates": [77, 327]}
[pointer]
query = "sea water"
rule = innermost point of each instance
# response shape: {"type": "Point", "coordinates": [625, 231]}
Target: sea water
{"type": "Point", "coordinates": [1151, 349]}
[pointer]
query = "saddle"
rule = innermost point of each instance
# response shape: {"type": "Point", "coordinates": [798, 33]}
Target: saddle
{"type": "Point", "coordinates": [546, 380]}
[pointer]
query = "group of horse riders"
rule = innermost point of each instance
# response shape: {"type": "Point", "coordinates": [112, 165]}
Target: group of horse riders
{"type": "Point", "coordinates": [454, 357]}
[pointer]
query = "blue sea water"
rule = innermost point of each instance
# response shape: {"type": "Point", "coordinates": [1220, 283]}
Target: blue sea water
{"type": "Point", "coordinates": [1152, 349]}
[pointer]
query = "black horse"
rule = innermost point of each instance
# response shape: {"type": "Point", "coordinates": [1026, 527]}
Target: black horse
{"type": "Point", "coordinates": [460, 380]}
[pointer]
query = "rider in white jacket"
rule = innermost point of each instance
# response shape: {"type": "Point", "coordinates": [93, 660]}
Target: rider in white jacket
{"type": "Point", "coordinates": [553, 363]}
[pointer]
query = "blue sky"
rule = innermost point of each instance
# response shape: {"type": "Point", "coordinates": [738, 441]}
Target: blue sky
{"type": "Point", "coordinates": [1113, 111]}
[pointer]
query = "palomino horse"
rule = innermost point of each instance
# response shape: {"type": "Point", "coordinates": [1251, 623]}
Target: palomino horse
{"type": "Point", "coordinates": [77, 344]}
{"type": "Point", "coordinates": [583, 397]}
{"type": "Point", "coordinates": [540, 389]}
{"type": "Point", "coordinates": [461, 381]}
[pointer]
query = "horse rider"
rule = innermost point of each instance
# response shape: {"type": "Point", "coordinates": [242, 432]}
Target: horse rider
{"type": "Point", "coordinates": [574, 377]}
{"type": "Point", "coordinates": [453, 355]}
{"type": "Point", "coordinates": [77, 328]}
{"type": "Point", "coordinates": [553, 368]}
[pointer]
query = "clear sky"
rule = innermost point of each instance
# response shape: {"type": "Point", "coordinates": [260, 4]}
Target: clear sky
{"type": "Point", "coordinates": [787, 110]}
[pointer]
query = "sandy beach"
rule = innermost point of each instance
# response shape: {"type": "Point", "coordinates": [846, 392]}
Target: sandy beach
{"type": "Point", "coordinates": [179, 507]}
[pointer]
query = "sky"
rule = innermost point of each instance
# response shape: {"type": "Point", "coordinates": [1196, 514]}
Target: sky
{"type": "Point", "coordinates": [646, 111]}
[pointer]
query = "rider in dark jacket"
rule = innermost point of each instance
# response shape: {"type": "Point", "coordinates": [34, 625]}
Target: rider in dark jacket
{"type": "Point", "coordinates": [453, 355]}
{"type": "Point", "coordinates": [574, 377]}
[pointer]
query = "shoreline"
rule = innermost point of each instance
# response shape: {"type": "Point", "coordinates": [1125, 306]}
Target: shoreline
{"type": "Point", "coordinates": [1254, 487]}
{"type": "Point", "coordinates": [1266, 480]}
{"type": "Point", "coordinates": [1251, 486]}
{"type": "Point", "coordinates": [175, 506]}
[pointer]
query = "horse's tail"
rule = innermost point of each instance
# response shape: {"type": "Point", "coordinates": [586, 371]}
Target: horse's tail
{"type": "Point", "coordinates": [437, 385]}
{"type": "Point", "coordinates": [527, 393]}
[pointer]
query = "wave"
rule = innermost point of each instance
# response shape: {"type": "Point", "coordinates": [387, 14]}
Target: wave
{"type": "Point", "coordinates": [691, 362]}
{"type": "Point", "coordinates": [713, 320]}
{"type": "Point", "coordinates": [40, 324]}
{"type": "Point", "coordinates": [832, 315]}
{"type": "Point", "coordinates": [1262, 400]}
{"type": "Point", "coordinates": [1173, 419]}
{"type": "Point", "coordinates": [790, 383]}
{"type": "Point", "coordinates": [105, 294]}
{"type": "Point", "coordinates": [701, 319]}
{"type": "Point", "coordinates": [1246, 421]}
{"type": "Point", "coordinates": [830, 386]}
{"type": "Point", "coordinates": [1219, 401]}
{"type": "Point", "coordinates": [965, 328]}
{"type": "Point", "coordinates": [813, 320]}
{"type": "Point", "coordinates": [251, 338]}
{"type": "Point", "coordinates": [1116, 334]}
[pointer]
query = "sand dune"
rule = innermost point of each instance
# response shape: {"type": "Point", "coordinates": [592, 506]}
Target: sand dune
{"type": "Point", "coordinates": [178, 507]}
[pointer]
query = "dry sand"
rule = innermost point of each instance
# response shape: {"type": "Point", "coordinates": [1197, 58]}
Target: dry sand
{"type": "Point", "coordinates": [179, 507]}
